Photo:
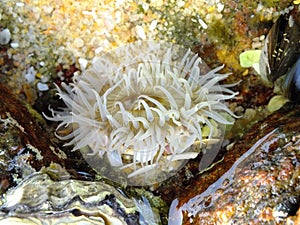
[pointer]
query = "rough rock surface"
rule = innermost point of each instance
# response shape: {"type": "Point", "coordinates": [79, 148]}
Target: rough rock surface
{"type": "Point", "coordinates": [25, 146]}
{"type": "Point", "coordinates": [261, 184]}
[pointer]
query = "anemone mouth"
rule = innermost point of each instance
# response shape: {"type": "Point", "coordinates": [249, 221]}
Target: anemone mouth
{"type": "Point", "coordinates": [143, 110]}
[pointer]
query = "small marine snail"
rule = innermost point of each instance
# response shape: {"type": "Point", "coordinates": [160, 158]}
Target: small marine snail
{"type": "Point", "coordinates": [280, 57]}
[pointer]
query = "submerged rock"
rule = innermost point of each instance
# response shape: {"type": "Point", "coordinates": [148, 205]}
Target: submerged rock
{"type": "Point", "coordinates": [25, 146]}
{"type": "Point", "coordinates": [261, 186]}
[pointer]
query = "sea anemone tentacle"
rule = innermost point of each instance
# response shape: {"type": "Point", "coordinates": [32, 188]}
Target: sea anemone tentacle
{"type": "Point", "coordinates": [144, 109]}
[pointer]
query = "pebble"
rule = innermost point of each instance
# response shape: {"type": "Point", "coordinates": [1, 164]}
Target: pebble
{"type": "Point", "coordinates": [14, 45]}
{"type": "Point", "coordinates": [78, 42]}
{"type": "Point", "coordinates": [5, 37]}
{"type": "Point", "coordinates": [153, 25]}
{"type": "Point", "coordinates": [42, 87]}
{"type": "Point", "coordinates": [140, 32]}
{"type": "Point", "coordinates": [202, 23]}
{"type": "Point", "coordinates": [20, 4]}
{"type": "Point", "coordinates": [30, 74]}
{"type": "Point", "coordinates": [29, 77]}
{"type": "Point", "coordinates": [220, 7]}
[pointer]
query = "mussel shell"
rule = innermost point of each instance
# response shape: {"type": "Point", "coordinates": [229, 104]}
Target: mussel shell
{"type": "Point", "coordinates": [291, 84]}
{"type": "Point", "coordinates": [281, 51]}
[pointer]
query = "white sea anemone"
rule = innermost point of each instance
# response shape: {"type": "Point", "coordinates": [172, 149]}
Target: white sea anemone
{"type": "Point", "coordinates": [144, 107]}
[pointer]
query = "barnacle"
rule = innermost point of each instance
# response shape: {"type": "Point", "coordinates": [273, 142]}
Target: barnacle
{"type": "Point", "coordinates": [143, 110]}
